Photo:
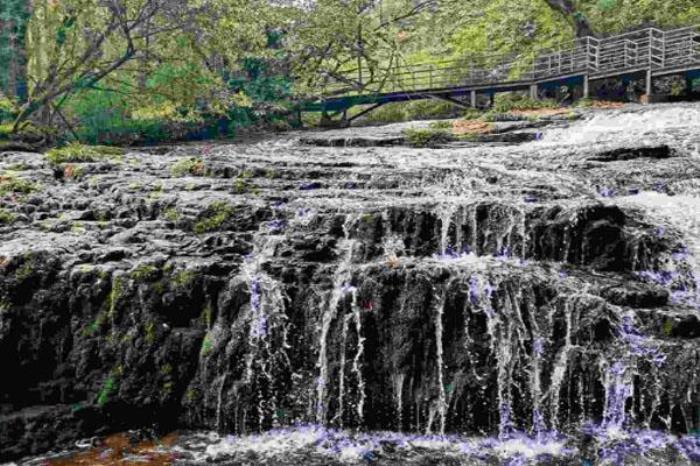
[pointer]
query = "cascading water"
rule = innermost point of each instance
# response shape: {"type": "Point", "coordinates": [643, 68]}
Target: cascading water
{"type": "Point", "coordinates": [479, 305]}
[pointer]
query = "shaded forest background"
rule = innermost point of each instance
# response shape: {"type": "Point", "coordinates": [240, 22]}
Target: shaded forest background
{"type": "Point", "coordinates": [140, 71]}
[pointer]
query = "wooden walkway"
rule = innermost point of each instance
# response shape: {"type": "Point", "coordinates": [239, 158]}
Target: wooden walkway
{"type": "Point", "coordinates": [649, 52]}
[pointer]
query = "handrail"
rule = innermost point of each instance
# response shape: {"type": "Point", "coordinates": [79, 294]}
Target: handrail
{"type": "Point", "coordinates": [649, 47]}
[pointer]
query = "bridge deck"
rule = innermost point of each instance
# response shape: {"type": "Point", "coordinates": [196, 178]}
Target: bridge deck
{"type": "Point", "coordinates": [650, 50]}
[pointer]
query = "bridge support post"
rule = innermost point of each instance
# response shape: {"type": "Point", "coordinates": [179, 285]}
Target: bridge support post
{"type": "Point", "coordinates": [472, 99]}
{"type": "Point", "coordinates": [586, 87]}
{"type": "Point", "coordinates": [649, 87]}
{"type": "Point", "coordinates": [533, 91]}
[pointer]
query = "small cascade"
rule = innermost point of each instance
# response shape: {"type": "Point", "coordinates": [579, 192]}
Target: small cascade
{"type": "Point", "coordinates": [357, 360]}
{"type": "Point", "coordinates": [340, 288]}
{"type": "Point", "coordinates": [441, 405]}
{"type": "Point", "coordinates": [267, 332]}
{"type": "Point", "coordinates": [560, 367]}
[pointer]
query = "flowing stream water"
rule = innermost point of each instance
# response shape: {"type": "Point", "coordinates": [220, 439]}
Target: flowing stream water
{"type": "Point", "coordinates": [523, 304]}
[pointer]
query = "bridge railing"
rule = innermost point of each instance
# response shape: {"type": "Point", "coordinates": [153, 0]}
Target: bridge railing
{"type": "Point", "coordinates": [646, 48]}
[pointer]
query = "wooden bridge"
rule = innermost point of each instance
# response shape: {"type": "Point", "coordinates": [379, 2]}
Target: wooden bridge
{"type": "Point", "coordinates": [647, 53]}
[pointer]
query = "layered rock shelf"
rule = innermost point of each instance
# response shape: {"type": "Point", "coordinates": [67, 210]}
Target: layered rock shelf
{"type": "Point", "coordinates": [544, 287]}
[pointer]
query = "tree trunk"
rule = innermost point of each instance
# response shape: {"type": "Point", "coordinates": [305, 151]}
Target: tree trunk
{"type": "Point", "coordinates": [582, 27]}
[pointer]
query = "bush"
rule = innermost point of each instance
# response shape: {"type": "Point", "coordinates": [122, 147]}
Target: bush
{"type": "Point", "coordinates": [80, 153]}
{"type": "Point", "coordinates": [8, 109]}
{"type": "Point", "coordinates": [5, 131]}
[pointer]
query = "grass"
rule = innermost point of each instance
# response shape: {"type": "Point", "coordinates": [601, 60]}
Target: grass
{"type": "Point", "coordinates": [584, 102]}
{"type": "Point", "coordinates": [508, 102]}
{"type": "Point", "coordinates": [444, 124]}
{"type": "Point", "coordinates": [144, 273]}
{"type": "Point", "coordinates": [183, 279]}
{"type": "Point", "coordinates": [6, 218]}
{"type": "Point", "coordinates": [188, 167]}
{"type": "Point", "coordinates": [215, 215]}
{"type": "Point", "coordinates": [427, 137]}
{"type": "Point", "coordinates": [10, 184]}
{"type": "Point", "coordinates": [81, 153]}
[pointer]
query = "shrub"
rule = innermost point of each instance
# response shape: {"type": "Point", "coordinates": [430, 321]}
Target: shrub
{"type": "Point", "coordinates": [8, 109]}
{"type": "Point", "coordinates": [81, 153]}
{"type": "Point", "coordinates": [5, 130]}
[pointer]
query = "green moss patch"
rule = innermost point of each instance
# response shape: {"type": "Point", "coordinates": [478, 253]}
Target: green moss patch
{"type": "Point", "coordinates": [188, 167]}
{"type": "Point", "coordinates": [428, 137]}
{"type": "Point", "coordinates": [215, 215]}
{"type": "Point", "coordinates": [81, 153]}
{"type": "Point", "coordinates": [6, 218]}
{"type": "Point", "coordinates": [10, 184]}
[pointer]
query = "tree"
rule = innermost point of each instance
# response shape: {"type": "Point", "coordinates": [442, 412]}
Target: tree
{"type": "Point", "coordinates": [352, 42]}
{"type": "Point", "coordinates": [567, 8]}
{"type": "Point", "coordinates": [75, 44]}
{"type": "Point", "coordinates": [14, 15]}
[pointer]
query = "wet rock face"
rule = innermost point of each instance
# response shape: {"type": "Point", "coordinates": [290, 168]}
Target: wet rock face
{"type": "Point", "coordinates": [243, 287]}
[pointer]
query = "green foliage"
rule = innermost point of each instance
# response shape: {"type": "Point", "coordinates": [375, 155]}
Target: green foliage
{"type": "Point", "coordinates": [108, 387]}
{"type": "Point", "coordinates": [25, 271]}
{"type": "Point", "coordinates": [207, 345]}
{"type": "Point", "coordinates": [507, 102]}
{"type": "Point", "coordinates": [412, 110]}
{"type": "Point", "coordinates": [5, 130]}
{"type": "Point", "coordinates": [144, 273]}
{"type": "Point", "coordinates": [667, 327]}
{"type": "Point", "coordinates": [472, 114]}
{"type": "Point", "coordinates": [188, 167]}
{"type": "Point", "coordinates": [80, 153]}
{"type": "Point", "coordinates": [150, 332]}
{"type": "Point", "coordinates": [172, 215]}
{"type": "Point", "coordinates": [6, 218]}
{"type": "Point", "coordinates": [115, 295]}
{"type": "Point", "coordinates": [207, 316]}
{"type": "Point", "coordinates": [215, 215]}
{"type": "Point", "coordinates": [183, 278]}
{"type": "Point", "coordinates": [445, 124]}
{"type": "Point", "coordinates": [10, 184]}
{"type": "Point", "coordinates": [427, 137]}
{"type": "Point", "coordinates": [8, 110]}
{"type": "Point", "coordinates": [584, 103]}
